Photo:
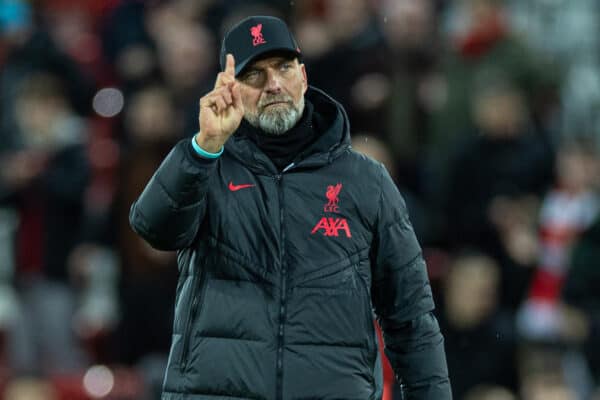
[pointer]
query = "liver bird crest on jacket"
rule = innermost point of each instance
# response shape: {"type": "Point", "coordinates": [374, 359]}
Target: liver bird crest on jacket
{"type": "Point", "coordinates": [332, 198]}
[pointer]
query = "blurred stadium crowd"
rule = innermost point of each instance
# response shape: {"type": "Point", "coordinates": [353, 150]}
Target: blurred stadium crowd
{"type": "Point", "coordinates": [486, 112]}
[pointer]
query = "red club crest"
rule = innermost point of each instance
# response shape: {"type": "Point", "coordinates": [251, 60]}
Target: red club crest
{"type": "Point", "coordinates": [257, 36]}
{"type": "Point", "coordinates": [332, 198]}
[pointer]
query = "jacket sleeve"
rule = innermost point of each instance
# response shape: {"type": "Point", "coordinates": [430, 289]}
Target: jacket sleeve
{"type": "Point", "coordinates": [403, 302]}
{"type": "Point", "coordinates": [171, 207]}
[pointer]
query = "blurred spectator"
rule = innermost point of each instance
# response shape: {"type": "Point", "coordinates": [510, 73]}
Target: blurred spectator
{"type": "Point", "coordinates": [580, 99]}
{"type": "Point", "coordinates": [567, 210]}
{"type": "Point", "coordinates": [50, 167]}
{"type": "Point", "coordinates": [567, 33]}
{"type": "Point", "coordinates": [480, 344]}
{"type": "Point", "coordinates": [563, 30]}
{"type": "Point", "coordinates": [72, 28]}
{"type": "Point", "coordinates": [410, 87]}
{"type": "Point", "coordinates": [44, 178]}
{"type": "Point", "coordinates": [184, 49]}
{"type": "Point", "coordinates": [494, 183]}
{"type": "Point", "coordinates": [345, 34]}
{"type": "Point", "coordinates": [482, 45]}
{"type": "Point", "coordinates": [29, 49]}
{"type": "Point", "coordinates": [152, 125]}
{"type": "Point", "coordinates": [128, 46]}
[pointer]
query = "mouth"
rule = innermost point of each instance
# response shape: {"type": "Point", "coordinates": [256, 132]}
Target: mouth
{"type": "Point", "coordinates": [275, 103]}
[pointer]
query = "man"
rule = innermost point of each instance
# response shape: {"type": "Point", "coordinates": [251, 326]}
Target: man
{"type": "Point", "coordinates": [286, 239]}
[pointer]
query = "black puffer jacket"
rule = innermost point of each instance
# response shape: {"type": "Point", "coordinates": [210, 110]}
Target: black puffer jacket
{"type": "Point", "coordinates": [279, 273]}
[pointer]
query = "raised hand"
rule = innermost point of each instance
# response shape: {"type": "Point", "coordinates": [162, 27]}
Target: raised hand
{"type": "Point", "coordinates": [221, 110]}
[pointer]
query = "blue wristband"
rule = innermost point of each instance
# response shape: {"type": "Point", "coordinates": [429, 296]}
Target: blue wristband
{"type": "Point", "coordinates": [203, 153]}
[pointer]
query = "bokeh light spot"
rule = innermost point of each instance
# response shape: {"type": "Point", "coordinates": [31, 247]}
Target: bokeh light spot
{"type": "Point", "coordinates": [98, 381]}
{"type": "Point", "coordinates": [108, 102]}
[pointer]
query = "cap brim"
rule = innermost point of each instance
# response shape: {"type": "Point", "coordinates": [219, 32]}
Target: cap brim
{"type": "Point", "coordinates": [239, 67]}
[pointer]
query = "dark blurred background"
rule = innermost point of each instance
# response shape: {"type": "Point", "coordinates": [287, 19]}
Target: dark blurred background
{"type": "Point", "coordinates": [486, 113]}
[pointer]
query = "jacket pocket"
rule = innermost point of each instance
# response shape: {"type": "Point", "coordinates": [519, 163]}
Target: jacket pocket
{"type": "Point", "coordinates": [196, 296]}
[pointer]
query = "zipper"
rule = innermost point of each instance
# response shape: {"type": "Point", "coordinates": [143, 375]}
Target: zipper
{"type": "Point", "coordinates": [291, 165]}
{"type": "Point", "coordinates": [283, 285]}
{"type": "Point", "coordinates": [194, 309]}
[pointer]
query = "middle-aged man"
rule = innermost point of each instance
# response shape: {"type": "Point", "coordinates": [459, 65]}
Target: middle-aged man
{"type": "Point", "coordinates": [287, 240]}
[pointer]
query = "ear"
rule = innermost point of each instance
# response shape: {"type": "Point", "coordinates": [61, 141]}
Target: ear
{"type": "Point", "coordinates": [304, 78]}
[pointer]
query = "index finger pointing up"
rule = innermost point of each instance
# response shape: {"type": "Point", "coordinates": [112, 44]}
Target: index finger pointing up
{"type": "Point", "coordinates": [226, 77]}
{"type": "Point", "coordinates": [230, 66]}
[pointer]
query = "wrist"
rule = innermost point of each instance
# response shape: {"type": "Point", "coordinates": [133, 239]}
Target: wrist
{"type": "Point", "coordinates": [208, 145]}
{"type": "Point", "coordinates": [206, 150]}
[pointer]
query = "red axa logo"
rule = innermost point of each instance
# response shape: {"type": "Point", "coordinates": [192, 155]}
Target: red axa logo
{"type": "Point", "coordinates": [257, 36]}
{"type": "Point", "coordinates": [332, 198]}
{"type": "Point", "coordinates": [332, 227]}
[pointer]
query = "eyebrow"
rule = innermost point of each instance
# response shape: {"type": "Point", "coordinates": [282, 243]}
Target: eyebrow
{"type": "Point", "coordinates": [276, 61]}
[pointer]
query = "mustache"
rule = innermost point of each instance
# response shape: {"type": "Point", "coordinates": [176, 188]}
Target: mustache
{"type": "Point", "coordinates": [274, 99]}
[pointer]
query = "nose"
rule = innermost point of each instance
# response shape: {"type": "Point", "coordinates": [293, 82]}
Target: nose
{"type": "Point", "coordinates": [273, 83]}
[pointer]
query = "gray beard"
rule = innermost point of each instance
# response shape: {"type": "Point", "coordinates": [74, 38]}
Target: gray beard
{"type": "Point", "coordinates": [278, 121]}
